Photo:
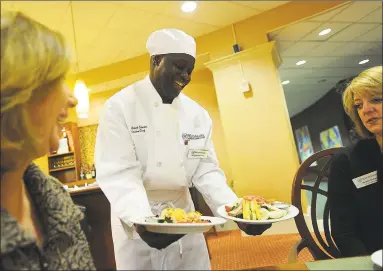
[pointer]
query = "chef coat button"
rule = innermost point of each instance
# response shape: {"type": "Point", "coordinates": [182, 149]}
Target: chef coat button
{"type": "Point", "coordinates": [158, 133]}
{"type": "Point", "coordinates": [156, 104]}
{"type": "Point", "coordinates": [159, 164]}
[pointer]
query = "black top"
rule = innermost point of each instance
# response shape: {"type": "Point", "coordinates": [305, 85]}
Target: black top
{"type": "Point", "coordinates": [357, 214]}
{"type": "Point", "coordinates": [64, 245]}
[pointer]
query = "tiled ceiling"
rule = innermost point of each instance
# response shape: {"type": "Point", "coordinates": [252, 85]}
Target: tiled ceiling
{"type": "Point", "coordinates": [112, 31]}
{"type": "Point", "coordinates": [356, 35]}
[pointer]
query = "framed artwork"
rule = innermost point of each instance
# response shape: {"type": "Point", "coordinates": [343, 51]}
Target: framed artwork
{"type": "Point", "coordinates": [331, 138]}
{"type": "Point", "coordinates": [305, 146]}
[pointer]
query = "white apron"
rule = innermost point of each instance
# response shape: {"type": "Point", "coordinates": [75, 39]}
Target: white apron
{"type": "Point", "coordinates": [143, 167]}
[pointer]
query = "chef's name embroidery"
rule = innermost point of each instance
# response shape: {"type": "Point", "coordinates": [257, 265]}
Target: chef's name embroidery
{"type": "Point", "coordinates": [138, 129]}
{"type": "Point", "coordinates": [192, 137]}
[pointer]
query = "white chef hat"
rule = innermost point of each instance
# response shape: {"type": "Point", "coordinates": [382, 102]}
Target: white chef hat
{"type": "Point", "coordinates": [170, 41]}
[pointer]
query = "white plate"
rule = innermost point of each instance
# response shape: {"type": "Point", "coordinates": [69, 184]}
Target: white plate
{"type": "Point", "coordinates": [181, 228]}
{"type": "Point", "coordinates": [376, 257]}
{"type": "Point", "coordinates": [280, 205]}
{"type": "Point", "coordinates": [292, 212]}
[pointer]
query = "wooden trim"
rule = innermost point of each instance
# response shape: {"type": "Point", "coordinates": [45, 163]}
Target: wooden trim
{"type": "Point", "coordinates": [80, 182]}
{"type": "Point", "coordinates": [85, 191]}
{"type": "Point", "coordinates": [61, 168]}
{"type": "Point", "coordinates": [60, 154]}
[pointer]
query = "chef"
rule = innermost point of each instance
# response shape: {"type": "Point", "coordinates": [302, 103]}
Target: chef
{"type": "Point", "coordinates": [152, 144]}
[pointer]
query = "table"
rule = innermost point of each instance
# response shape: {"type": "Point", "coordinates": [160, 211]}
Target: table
{"type": "Point", "coordinates": [288, 266]}
{"type": "Point", "coordinates": [98, 218]}
{"type": "Point", "coordinates": [353, 263]}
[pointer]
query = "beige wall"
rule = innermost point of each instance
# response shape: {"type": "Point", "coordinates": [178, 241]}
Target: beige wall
{"type": "Point", "coordinates": [257, 127]}
{"type": "Point", "coordinates": [202, 90]}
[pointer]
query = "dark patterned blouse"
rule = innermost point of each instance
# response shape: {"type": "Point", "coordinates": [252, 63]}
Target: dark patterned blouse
{"type": "Point", "coordinates": [65, 246]}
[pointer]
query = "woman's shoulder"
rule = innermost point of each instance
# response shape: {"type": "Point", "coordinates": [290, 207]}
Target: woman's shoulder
{"type": "Point", "coordinates": [61, 216]}
{"type": "Point", "coordinates": [49, 194]}
{"type": "Point", "coordinates": [358, 159]}
{"type": "Point", "coordinates": [340, 164]}
{"type": "Point", "coordinates": [363, 150]}
{"type": "Point", "coordinates": [364, 146]}
{"type": "Point", "coordinates": [38, 181]}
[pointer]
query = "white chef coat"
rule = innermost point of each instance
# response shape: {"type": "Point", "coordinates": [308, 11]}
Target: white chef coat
{"type": "Point", "coordinates": [143, 166]}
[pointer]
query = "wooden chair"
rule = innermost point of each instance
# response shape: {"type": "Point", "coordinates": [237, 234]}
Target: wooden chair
{"type": "Point", "coordinates": [314, 169]}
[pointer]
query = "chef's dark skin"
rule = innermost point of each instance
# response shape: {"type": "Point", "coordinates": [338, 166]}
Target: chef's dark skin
{"type": "Point", "coordinates": [169, 75]}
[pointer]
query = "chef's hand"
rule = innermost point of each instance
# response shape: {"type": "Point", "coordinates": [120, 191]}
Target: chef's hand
{"type": "Point", "coordinates": [252, 229]}
{"type": "Point", "coordinates": [157, 240]}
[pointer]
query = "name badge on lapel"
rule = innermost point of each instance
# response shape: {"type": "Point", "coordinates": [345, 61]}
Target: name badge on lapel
{"type": "Point", "coordinates": [366, 179]}
{"type": "Point", "coordinates": [197, 154]}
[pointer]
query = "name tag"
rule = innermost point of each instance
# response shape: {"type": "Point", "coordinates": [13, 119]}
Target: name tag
{"type": "Point", "coordinates": [192, 137]}
{"type": "Point", "coordinates": [197, 154]}
{"type": "Point", "coordinates": [366, 179]}
{"type": "Point", "coordinates": [138, 129]}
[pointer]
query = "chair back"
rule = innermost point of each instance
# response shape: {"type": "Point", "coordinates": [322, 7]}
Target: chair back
{"type": "Point", "coordinates": [312, 177]}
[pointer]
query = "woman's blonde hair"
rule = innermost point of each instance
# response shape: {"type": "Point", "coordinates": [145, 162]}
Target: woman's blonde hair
{"type": "Point", "coordinates": [34, 60]}
{"type": "Point", "coordinates": [367, 84]}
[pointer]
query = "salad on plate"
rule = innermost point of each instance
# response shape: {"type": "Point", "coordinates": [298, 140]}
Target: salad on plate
{"type": "Point", "coordinates": [256, 208]}
{"type": "Point", "coordinates": [178, 215]}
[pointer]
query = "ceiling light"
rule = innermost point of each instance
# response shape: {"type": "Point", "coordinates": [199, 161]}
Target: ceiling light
{"type": "Point", "coordinates": [300, 62]}
{"type": "Point", "coordinates": [81, 93]}
{"type": "Point", "coordinates": [325, 32]}
{"type": "Point", "coordinates": [364, 61]}
{"type": "Point", "coordinates": [188, 6]}
{"type": "Point", "coordinates": [285, 82]}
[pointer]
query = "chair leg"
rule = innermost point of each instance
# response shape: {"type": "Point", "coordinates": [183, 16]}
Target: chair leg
{"type": "Point", "coordinates": [215, 231]}
{"type": "Point", "coordinates": [207, 245]}
{"type": "Point", "coordinates": [294, 251]}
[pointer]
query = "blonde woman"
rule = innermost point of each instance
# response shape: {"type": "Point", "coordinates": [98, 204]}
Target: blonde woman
{"type": "Point", "coordinates": [40, 226]}
{"type": "Point", "coordinates": [356, 178]}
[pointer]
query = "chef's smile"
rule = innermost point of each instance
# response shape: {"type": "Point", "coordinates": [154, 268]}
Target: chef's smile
{"type": "Point", "coordinates": [180, 86]}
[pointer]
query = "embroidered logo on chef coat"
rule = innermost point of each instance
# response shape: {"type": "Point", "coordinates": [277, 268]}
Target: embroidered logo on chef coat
{"type": "Point", "coordinates": [138, 129]}
{"type": "Point", "coordinates": [192, 137]}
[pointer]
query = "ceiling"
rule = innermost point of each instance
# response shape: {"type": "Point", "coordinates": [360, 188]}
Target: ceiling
{"type": "Point", "coordinates": [356, 35]}
{"type": "Point", "coordinates": [112, 31]}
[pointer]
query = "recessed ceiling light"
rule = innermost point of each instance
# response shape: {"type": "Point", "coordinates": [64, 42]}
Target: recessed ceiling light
{"type": "Point", "coordinates": [364, 61]}
{"type": "Point", "coordinates": [325, 32]}
{"type": "Point", "coordinates": [188, 6]}
{"type": "Point", "coordinates": [300, 62]}
{"type": "Point", "coordinates": [285, 82]}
